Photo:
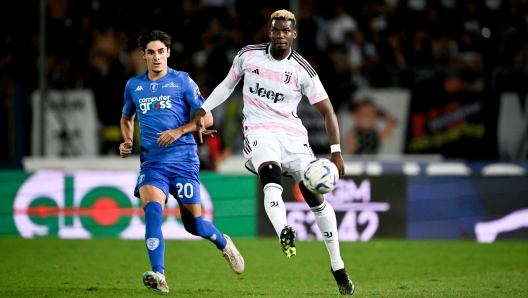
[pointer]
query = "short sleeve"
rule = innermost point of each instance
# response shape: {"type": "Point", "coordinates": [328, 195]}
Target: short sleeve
{"type": "Point", "coordinates": [313, 88]}
{"type": "Point", "coordinates": [129, 107]}
{"type": "Point", "coordinates": [238, 65]}
{"type": "Point", "coordinates": [192, 93]}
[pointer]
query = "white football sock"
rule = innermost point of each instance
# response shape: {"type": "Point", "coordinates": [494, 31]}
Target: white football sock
{"type": "Point", "coordinates": [274, 206]}
{"type": "Point", "coordinates": [327, 223]}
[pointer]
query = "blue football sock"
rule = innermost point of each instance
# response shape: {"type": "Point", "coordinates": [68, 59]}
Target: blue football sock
{"type": "Point", "coordinates": [199, 227]}
{"type": "Point", "coordinates": [154, 237]}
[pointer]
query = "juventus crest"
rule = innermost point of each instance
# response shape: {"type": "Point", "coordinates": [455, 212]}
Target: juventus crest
{"type": "Point", "coordinates": [288, 77]}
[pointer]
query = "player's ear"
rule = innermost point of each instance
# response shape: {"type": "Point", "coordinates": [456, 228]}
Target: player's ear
{"type": "Point", "coordinates": [168, 52]}
{"type": "Point", "coordinates": [294, 34]}
{"type": "Point", "coordinates": [143, 55]}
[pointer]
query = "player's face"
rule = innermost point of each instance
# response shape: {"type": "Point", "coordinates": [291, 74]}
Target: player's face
{"type": "Point", "coordinates": [156, 54]}
{"type": "Point", "coordinates": [282, 35]}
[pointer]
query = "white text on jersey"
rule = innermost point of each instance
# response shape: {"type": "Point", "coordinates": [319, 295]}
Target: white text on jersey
{"type": "Point", "coordinates": [154, 103]}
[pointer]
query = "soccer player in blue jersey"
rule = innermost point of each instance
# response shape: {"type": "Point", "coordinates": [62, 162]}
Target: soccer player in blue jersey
{"type": "Point", "coordinates": [163, 100]}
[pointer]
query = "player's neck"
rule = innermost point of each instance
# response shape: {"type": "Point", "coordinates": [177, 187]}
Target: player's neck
{"type": "Point", "coordinates": [157, 75]}
{"type": "Point", "coordinates": [279, 55]}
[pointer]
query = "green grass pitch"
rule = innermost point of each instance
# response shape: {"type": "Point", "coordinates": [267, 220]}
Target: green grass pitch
{"type": "Point", "coordinates": [50, 267]}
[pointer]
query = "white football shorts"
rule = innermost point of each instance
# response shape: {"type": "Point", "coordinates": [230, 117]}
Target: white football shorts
{"type": "Point", "coordinates": [291, 152]}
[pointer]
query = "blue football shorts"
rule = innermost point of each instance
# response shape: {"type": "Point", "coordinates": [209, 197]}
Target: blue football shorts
{"type": "Point", "coordinates": [180, 180]}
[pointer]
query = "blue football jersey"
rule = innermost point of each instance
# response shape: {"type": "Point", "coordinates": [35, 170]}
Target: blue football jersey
{"type": "Point", "coordinates": [160, 105]}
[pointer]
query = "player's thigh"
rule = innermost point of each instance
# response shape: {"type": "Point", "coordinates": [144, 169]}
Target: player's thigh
{"type": "Point", "coordinates": [152, 185]}
{"type": "Point", "coordinates": [185, 183]}
{"type": "Point", "coordinates": [297, 154]}
{"type": "Point", "coordinates": [261, 147]}
{"type": "Point", "coordinates": [151, 193]}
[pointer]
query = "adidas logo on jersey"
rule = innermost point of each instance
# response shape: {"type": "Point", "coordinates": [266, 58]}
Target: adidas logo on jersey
{"type": "Point", "coordinates": [139, 88]}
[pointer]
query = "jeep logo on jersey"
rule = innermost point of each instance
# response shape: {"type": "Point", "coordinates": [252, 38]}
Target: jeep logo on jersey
{"type": "Point", "coordinates": [269, 94]}
{"type": "Point", "coordinates": [154, 103]}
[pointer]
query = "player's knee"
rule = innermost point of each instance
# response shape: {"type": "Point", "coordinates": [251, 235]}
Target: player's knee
{"type": "Point", "coordinates": [271, 174]}
{"type": "Point", "coordinates": [311, 199]}
{"type": "Point", "coordinates": [153, 208]}
{"type": "Point", "coordinates": [194, 225]}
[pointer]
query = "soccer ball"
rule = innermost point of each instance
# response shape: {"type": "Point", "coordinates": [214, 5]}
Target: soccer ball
{"type": "Point", "coordinates": [320, 176]}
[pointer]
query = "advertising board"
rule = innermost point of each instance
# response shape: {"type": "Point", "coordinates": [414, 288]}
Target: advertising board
{"type": "Point", "coordinates": [86, 204]}
{"type": "Point", "coordinates": [365, 206]}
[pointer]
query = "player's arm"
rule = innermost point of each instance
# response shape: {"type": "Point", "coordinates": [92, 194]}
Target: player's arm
{"type": "Point", "coordinates": [127, 131]}
{"type": "Point", "coordinates": [326, 110]}
{"type": "Point", "coordinates": [127, 123]}
{"type": "Point", "coordinates": [169, 136]}
{"type": "Point", "coordinates": [221, 92]}
{"type": "Point", "coordinates": [217, 97]}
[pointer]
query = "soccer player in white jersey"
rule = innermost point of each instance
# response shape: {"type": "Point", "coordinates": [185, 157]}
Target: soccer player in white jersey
{"type": "Point", "coordinates": [276, 143]}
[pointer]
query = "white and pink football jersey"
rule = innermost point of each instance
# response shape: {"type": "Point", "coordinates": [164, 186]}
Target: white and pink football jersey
{"type": "Point", "coordinates": [273, 89]}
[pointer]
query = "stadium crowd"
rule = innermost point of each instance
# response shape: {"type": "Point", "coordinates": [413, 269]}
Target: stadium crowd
{"type": "Point", "coordinates": [351, 44]}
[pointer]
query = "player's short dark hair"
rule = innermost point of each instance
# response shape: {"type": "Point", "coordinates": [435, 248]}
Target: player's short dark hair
{"type": "Point", "coordinates": [143, 40]}
{"type": "Point", "coordinates": [283, 14]}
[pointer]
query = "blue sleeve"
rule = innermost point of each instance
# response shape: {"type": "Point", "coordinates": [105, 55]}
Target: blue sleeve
{"type": "Point", "coordinates": [129, 107]}
{"type": "Point", "coordinates": [192, 93]}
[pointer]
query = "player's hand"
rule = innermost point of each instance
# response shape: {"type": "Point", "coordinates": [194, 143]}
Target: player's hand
{"type": "Point", "coordinates": [200, 127]}
{"type": "Point", "coordinates": [200, 124]}
{"type": "Point", "coordinates": [125, 149]}
{"type": "Point", "coordinates": [207, 132]}
{"type": "Point", "coordinates": [168, 137]}
{"type": "Point", "coordinates": [337, 159]}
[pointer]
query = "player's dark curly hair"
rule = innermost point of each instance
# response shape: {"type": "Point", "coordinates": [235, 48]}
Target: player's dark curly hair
{"type": "Point", "coordinates": [152, 36]}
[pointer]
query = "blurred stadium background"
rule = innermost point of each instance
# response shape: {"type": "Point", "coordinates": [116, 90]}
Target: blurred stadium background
{"type": "Point", "coordinates": [431, 96]}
